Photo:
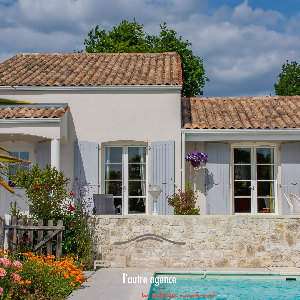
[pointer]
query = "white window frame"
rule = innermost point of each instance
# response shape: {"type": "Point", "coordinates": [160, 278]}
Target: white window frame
{"type": "Point", "coordinates": [253, 146]}
{"type": "Point", "coordinates": [125, 175]}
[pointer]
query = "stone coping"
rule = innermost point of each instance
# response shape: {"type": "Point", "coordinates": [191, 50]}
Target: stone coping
{"type": "Point", "coordinates": [261, 216]}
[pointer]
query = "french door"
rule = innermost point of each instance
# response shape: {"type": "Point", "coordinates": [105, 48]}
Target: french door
{"type": "Point", "coordinates": [125, 178]}
{"type": "Point", "coordinates": [254, 180]}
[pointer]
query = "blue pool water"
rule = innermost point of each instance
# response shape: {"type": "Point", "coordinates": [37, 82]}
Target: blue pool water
{"type": "Point", "coordinates": [227, 287]}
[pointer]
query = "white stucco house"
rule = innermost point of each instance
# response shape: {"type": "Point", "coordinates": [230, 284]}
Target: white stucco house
{"type": "Point", "coordinates": [118, 122]}
{"type": "Point", "coordinates": [113, 118]}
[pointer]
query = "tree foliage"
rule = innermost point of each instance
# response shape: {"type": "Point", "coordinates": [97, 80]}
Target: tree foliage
{"type": "Point", "coordinates": [129, 37]}
{"type": "Point", "coordinates": [289, 80]}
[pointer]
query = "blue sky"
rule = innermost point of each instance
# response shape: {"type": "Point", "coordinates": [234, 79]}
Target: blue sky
{"type": "Point", "coordinates": [243, 43]}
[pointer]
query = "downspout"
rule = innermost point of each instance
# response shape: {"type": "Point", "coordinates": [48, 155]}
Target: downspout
{"type": "Point", "coordinates": [182, 161]}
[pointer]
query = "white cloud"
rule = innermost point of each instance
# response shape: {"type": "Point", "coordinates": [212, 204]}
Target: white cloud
{"type": "Point", "coordinates": [244, 14]}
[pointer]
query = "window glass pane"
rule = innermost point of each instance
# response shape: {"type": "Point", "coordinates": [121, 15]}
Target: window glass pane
{"type": "Point", "coordinates": [113, 171]}
{"type": "Point", "coordinates": [24, 155]}
{"type": "Point", "coordinates": [137, 171]}
{"type": "Point", "coordinates": [113, 154]}
{"type": "Point", "coordinates": [265, 188]}
{"type": "Point", "coordinates": [265, 155]}
{"type": "Point", "coordinates": [15, 154]}
{"type": "Point", "coordinates": [265, 172]}
{"type": "Point", "coordinates": [137, 188]}
{"type": "Point", "coordinates": [242, 155]}
{"type": "Point", "coordinates": [242, 188]}
{"type": "Point", "coordinates": [242, 205]}
{"type": "Point", "coordinates": [242, 172]}
{"type": "Point", "coordinates": [136, 205]}
{"type": "Point", "coordinates": [265, 205]}
{"type": "Point", "coordinates": [137, 154]}
{"type": "Point", "coordinates": [113, 187]}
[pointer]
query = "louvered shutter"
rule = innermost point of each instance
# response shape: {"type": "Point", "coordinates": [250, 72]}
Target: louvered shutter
{"type": "Point", "coordinates": [217, 179]}
{"type": "Point", "coordinates": [163, 173]}
{"type": "Point", "coordinates": [86, 167]}
{"type": "Point", "coordinates": [290, 172]}
{"type": "Point", "coordinates": [43, 154]}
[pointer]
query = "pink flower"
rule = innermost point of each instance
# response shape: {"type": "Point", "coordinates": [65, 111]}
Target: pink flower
{"type": "Point", "coordinates": [71, 208]}
{"type": "Point", "coordinates": [16, 277]}
{"type": "Point", "coordinates": [2, 272]}
{"type": "Point", "coordinates": [5, 262]}
{"type": "Point", "coordinates": [1, 291]}
{"type": "Point", "coordinates": [17, 264]}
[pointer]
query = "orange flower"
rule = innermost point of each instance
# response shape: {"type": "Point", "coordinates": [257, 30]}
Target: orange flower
{"type": "Point", "coordinates": [21, 282]}
{"type": "Point", "coordinates": [72, 283]}
{"type": "Point", "coordinates": [27, 281]}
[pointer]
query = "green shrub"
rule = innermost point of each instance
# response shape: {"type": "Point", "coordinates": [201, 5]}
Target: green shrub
{"type": "Point", "coordinates": [184, 202]}
{"type": "Point", "coordinates": [38, 277]}
{"type": "Point", "coordinates": [49, 199]}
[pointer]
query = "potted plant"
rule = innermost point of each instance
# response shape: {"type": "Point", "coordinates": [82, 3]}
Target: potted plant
{"type": "Point", "coordinates": [196, 157]}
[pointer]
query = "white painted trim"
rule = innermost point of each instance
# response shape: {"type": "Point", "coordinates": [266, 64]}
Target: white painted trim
{"type": "Point", "coordinates": [242, 134]}
{"type": "Point", "coordinates": [95, 88]}
{"type": "Point", "coordinates": [30, 120]}
{"type": "Point", "coordinates": [183, 161]}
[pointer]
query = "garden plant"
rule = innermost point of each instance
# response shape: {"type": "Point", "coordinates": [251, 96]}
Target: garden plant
{"type": "Point", "coordinates": [49, 199]}
{"type": "Point", "coordinates": [184, 202]}
{"type": "Point", "coordinates": [28, 276]}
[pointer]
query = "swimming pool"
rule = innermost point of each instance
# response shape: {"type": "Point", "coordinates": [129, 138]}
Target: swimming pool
{"type": "Point", "coordinates": [229, 287]}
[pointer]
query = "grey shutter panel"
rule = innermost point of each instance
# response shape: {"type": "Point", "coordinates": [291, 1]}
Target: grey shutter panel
{"type": "Point", "coordinates": [86, 167]}
{"type": "Point", "coordinates": [163, 173]}
{"type": "Point", "coordinates": [43, 154]}
{"type": "Point", "coordinates": [217, 179]}
{"type": "Point", "coordinates": [290, 172]}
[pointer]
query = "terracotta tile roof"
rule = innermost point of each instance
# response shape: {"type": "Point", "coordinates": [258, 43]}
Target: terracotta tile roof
{"type": "Point", "coordinates": [241, 113]}
{"type": "Point", "coordinates": [92, 69]}
{"type": "Point", "coordinates": [32, 111]}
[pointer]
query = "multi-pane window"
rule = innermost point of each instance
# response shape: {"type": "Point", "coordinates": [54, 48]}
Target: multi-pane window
{"type": "Point", "coordinates": [254, 180]}
{"type": "Point", "coordinates": [125, 177]}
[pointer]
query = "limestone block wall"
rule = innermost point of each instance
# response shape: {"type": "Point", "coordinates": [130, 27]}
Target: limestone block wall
{"type": "Point", "coordinates": [197, 241]}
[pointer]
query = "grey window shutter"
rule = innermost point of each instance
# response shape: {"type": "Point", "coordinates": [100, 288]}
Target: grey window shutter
{"type": "Point", "coordinates": [217, 179]}
{"type": "Point", "coordinates": [290, 172]}
{"type": "Point", "coordinates": [43, 154]}
{"type": "Point", "coordinates": [163, 173]}
{"type": "Point", "coordinates": [86, 167]}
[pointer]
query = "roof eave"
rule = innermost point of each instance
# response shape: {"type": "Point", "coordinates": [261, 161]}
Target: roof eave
{"type": "Point", "coordinates": [95, 88]}
{"type": "Point", "coordinates": [207, 135]}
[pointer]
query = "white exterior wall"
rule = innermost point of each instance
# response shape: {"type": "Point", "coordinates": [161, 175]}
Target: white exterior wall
{"type": "Point", "coordinates": [123, 117]}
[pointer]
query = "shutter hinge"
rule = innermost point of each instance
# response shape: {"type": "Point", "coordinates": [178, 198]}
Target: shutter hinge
{"type": "Point", "coordinates": [99, 148]}
{"type": "Point", "coordinates": [279, 148]}
{"type": "Point", "coordinates": [149, 148]}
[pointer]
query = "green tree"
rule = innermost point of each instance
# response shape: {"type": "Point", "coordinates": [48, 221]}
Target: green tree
{"type": "Point", "coordinates": [289, 80]}
{"type": "Point", "coordinates": [129, 37]}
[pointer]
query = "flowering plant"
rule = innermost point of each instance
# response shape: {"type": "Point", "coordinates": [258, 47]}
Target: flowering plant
{"type": "Point", "coordinates": [184, 202]}
{"type": "Point", "coordinates": [38, 277]}
{"type": "Point", "coordinates": [196, 157]}
{"type": "Point", "coordinates": [50, 199]}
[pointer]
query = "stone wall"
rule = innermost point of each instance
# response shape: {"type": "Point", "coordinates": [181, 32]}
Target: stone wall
{"type": "Point", "coordinates": [197, 241]}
